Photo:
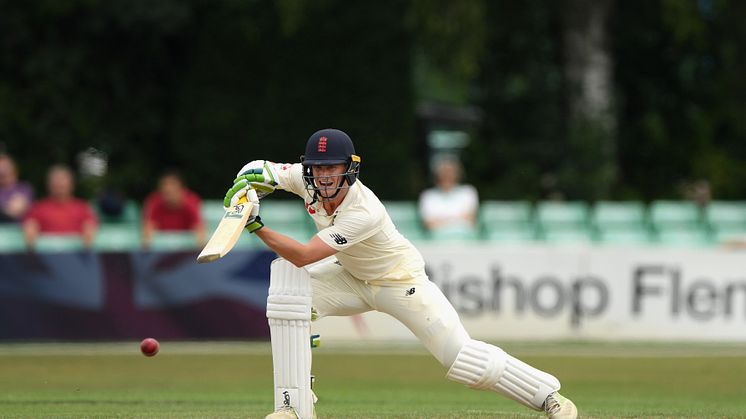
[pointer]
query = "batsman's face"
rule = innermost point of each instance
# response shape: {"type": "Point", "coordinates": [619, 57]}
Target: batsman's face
{"type": "Point", "coordinates": [328, 178]}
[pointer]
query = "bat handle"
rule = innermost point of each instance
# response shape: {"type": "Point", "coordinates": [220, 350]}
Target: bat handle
{"type": "Point", "coordinates": [251, 193]}
{"type": "Point", "coordinates": [244, 199]}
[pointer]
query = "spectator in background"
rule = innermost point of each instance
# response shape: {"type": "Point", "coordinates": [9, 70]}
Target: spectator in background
{"type": "Point", "coordinates": [698, 192]}
{"type": "Point", "coordinates": [60, 213]}
{"type": "Point", "coordinates": [15, 197]}
{"type": "Point", "coordinates": [172, 208]}
{"type": "Point", "coordinates": [449, 209]}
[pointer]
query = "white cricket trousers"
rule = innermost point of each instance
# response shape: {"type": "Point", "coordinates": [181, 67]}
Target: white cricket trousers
{"type": "Point", "coordinates": [422, 307]}
{"type": "Point", "coordinates": [419, 305]}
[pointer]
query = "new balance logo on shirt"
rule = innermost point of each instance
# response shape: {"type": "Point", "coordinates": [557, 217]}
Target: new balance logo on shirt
{"type": "Point", "coordinates": [338, 238]}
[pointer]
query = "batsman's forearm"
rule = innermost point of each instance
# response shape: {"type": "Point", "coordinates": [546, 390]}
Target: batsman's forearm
{"type": "Point", "coordinates": [298, 254]}
{"type": "Point", "coordinates": [284, 246]}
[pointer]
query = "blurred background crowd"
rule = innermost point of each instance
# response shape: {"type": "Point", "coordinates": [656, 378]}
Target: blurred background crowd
{"type": "Point", "coordinates": [560, 121]}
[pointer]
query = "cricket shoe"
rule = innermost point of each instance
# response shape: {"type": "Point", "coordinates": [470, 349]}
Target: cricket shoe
{"type": "Point", "coordinates": [558, 407]}
{"type": "Point", "coordinates": [287, 412]}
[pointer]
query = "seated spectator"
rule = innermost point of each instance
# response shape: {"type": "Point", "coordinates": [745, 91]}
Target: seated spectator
{"type": "Point", "coordinates": [15, 196]}
{"type": "Point", "coordinates": [172, 208]}
{"type": "Point", "coordinates": [449, 209]}
{"type": "Point", "coordinates": [60, 213]}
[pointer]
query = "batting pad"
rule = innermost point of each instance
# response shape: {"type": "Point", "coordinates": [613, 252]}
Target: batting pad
{"type": "Point", "coordinates": [487, 367]}
{"type": "Point", "coordinates": [289, 315]}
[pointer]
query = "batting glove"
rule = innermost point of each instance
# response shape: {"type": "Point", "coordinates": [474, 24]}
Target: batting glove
{"type": "Point", "coordinates": [236, 192]}
{"type": "Point", "coordinates": [260, 175]}
{"type": "Point", "coordinates": [254, 222]}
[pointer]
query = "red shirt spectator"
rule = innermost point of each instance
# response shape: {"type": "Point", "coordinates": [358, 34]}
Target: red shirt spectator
{"type": "Point", "coordinates": [60, 212]}
{"type": "Point", "coordinates": [172, 207]}
{"type": "Point", "coordinates": [186, 216]}
{"type": "Point", "coordinates": [61, 217]}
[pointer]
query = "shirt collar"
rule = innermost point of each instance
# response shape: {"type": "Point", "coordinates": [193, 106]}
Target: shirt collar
{"type": "Point", "coordinates": [352, 196]}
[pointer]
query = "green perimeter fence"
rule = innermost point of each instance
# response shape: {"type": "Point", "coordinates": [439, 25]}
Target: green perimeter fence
{"type": "Point", "coordinates": [630, 223]}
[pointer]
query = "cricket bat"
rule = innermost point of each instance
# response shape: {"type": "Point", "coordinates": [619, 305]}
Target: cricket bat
{"type": "Point", "coordinates": [228, 231]}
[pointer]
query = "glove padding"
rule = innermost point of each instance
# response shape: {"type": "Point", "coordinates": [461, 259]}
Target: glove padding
{"type": "Point", "coordinates": [254, 222]}
{"type": "Point", "coordinates": [236, 192]}
{"type": "Point", "coordinates": [258, 174]}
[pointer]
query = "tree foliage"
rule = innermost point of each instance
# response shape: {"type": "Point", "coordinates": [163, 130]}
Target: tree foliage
{"type": "Point", "coordinates": [678, 104]}
{"type": "Point", "coordinates": [203, 86]}
{"type": "Point", "coordinates": [680, 67]}
{"type": "Point", "coordinates": [519, 150]}
{"type": "Point", "coordinates": [207, 85]}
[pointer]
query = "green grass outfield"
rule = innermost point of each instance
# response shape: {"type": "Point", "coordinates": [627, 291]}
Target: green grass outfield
{"type": "Point", "coordinates": [200, 380]}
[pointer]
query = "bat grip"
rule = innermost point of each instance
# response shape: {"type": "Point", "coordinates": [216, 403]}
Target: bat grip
{"type": "Point", "coordinates": [251, 193]}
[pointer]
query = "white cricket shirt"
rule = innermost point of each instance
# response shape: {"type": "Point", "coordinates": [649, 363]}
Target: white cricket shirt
{"type": "Point", "coordinates": [370, 248]}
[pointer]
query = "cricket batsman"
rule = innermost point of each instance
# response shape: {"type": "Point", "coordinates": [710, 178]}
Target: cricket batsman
{"type": "Point", "coordinates": [359, 262]}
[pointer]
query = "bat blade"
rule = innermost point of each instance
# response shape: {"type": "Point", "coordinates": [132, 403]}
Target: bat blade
{"type": "Point", "coordinates": [227, 233]}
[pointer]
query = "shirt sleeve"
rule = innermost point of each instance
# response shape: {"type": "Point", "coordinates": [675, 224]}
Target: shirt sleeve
{"type": "Point", "coordinates": [32, 213]}
{"type": "Point", "coordinates": [26, 191]}
{"type": "Point", "coordinates": [349, 229]}
{"type": "Point", "coordinates": [290, 178]}
{"type": "Point", "coordinates": [87, 213]}
{"type": "Point", "coordinates": [148, 210]}
{"type": "Point", "coordinates": [194, 209]}
{"type": "Point", "coordinates": [472, 198]}
{"type": "Point", "coordinates": [427, 205]}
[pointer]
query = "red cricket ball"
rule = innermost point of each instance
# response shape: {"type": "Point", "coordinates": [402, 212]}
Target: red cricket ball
{"type": "Point", "coordinates": [149, 347]}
